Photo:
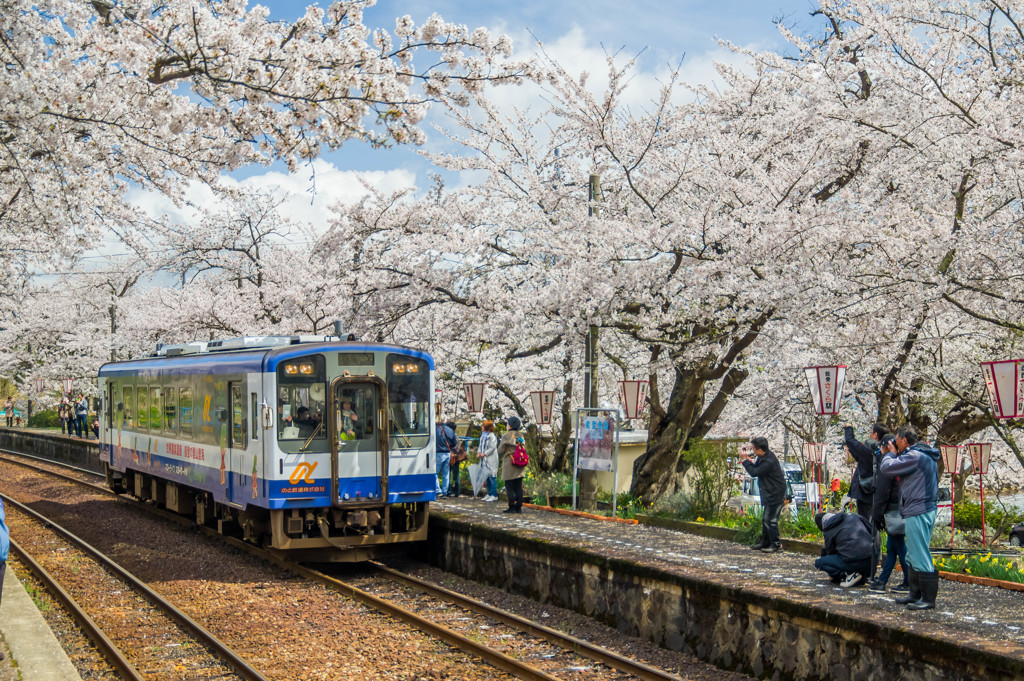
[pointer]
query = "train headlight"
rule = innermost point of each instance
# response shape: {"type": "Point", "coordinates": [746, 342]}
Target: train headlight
{"type": "Point", "coordinates": [291, 369]}
{"type": "Point", "coordinates": [411, 368]}
{"type": "Point", "coordinates": [306, 369]}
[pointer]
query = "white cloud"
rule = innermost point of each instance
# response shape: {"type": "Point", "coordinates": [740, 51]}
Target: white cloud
{"type": "Point", "coordinates": [308, 194]}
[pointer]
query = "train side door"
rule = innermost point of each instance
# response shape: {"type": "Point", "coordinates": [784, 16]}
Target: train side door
{"type": "Point", "coordinates": [359, 440]}
{"type": "Point", "coordinates": [242, 473]}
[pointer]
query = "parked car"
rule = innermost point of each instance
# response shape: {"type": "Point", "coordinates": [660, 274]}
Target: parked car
{"type": "Point", "coordinates": [1017, 535]}
{"type": "Point", "coordinates": [749, 497]}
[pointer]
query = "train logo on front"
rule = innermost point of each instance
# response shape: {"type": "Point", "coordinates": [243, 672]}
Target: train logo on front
{"type": "Point", "coordinates": [303, 473]}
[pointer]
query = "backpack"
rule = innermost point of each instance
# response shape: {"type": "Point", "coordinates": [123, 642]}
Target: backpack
{"type": "Point", "coordinates": [520, 457]}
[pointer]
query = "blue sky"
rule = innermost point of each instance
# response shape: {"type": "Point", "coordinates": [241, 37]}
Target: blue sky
{"type": "Point", "coordinates": [576, 33]}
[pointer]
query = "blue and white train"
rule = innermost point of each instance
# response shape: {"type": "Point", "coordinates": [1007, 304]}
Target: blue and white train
{"type": "Point", "coordinates": [319, 449]}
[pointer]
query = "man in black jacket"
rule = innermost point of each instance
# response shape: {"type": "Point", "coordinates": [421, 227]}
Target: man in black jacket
{"type": "Point", "coordinates": [862, 487]}
{"type": "Point", "coordinates": [848, 547]}
{"type": "Point", "coordinates": [767, 469]}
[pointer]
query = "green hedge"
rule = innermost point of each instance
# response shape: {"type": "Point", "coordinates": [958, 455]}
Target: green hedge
{"type": "Point", "coordinates": [44, 419]}
{"type": "Point", "coordinates": [968, 516]}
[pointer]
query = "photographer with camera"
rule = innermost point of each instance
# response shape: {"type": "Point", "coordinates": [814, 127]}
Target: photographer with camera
{"type": "Point", "coordinates": [764, 465]}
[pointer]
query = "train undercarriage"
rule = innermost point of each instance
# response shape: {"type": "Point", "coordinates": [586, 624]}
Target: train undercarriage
{"type": "Point", "coordinates": [349, 533]}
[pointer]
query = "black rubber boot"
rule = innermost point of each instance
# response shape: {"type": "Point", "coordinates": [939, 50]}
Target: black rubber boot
{"type": "Point", "coordinates": [915, 587]}
{"type": "Point", "coordinates": [929, 582]}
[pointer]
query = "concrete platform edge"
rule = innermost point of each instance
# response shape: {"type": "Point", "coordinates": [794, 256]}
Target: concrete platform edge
{"type": "Point", "coordinates": [34, 648]}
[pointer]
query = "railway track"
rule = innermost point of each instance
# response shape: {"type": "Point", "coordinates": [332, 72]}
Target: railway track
{"type": "Point", "coordinates": [515, 645]}
{"type": "Point", "coordinates": [144, 636]}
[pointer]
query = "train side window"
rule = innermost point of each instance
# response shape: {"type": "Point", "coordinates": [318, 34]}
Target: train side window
{"type": "Point", "coordinates": [115, 395]}
{"type": "Point", "coordinates": [143, 414]}
{"type": "Point", "coordinates": [155, 408]}
{"type": "Point", "coordinates": [185, 404]}
{"type": "Point", "coordinates": [129, 407]}
{"type": "Point", "coordinates": [170, 411]}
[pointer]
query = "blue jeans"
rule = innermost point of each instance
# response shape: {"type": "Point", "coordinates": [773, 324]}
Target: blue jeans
{"type": "Point", "coordinates": [444, 469]}
{"type": "Point", "coordinates": [919, 537]}
{"type": "Point", "coordinates": [838, 567]}
{"type": "Point", "coordinates": [895, 547]}
{"type": "Point", "coordinates": [492, 486]}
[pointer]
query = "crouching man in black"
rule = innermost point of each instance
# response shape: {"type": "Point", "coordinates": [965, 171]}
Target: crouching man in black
{"type": "Point", "coordinates": [848, 548]}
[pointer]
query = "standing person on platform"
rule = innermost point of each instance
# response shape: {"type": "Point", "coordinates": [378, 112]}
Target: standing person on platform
{"type": "Point", "coordinates": [862, 486]}
{"type": "Point", "coordinates": [444, 441]}
{"type": "Point", "coordinates": [9, 412]}
{"type": "Point", "coordinates": [487, 450]}
{"type": "Point", "coordinates": [81, 413]}
{"type": "Point", "coordinates": [916, 465]}
{"type": "Point", "coordinates": [886, 513]}
{"type": "Point", "coordinates": [65, 416]}
{"type": "Point", "coordinates": [511, 473]}
{"type": "Point", "coordinates": [767, 469]}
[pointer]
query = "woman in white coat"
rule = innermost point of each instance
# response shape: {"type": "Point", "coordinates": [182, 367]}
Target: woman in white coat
{"type": "Point", "coordinates": [488, 453]}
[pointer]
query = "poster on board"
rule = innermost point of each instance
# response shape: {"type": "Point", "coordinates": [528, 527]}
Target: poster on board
{"type": "Point", "coordinates": [596, 441]}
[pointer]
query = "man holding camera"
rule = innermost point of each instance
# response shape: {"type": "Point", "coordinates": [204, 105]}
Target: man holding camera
{"type": "Point", "coordinates": [764, 466]}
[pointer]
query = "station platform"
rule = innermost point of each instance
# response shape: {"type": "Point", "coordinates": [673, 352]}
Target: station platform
{"type": "Point", "coordinates": [31, 651]}
{"type": "Point", "coordinates": [975, 629]}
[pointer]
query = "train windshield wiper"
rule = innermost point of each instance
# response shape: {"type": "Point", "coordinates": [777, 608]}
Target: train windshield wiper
{"type": "Point", "coordinates": [305, 445]}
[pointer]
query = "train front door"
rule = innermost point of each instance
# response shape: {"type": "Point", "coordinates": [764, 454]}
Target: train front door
{"type": "Point", "coordinates": [359, 440]}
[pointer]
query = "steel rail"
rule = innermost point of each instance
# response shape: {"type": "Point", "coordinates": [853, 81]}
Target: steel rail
{"type": "Point", "coordinates": [553, 636]}
{"type": "Point", "coordinates": [219, 647]}
{"type": "Point", "coordinates": [107, 648]}
{"type": "Point", "coordinates": [495, 658]}
{"type": "Point", "coordinates": [63, 476]}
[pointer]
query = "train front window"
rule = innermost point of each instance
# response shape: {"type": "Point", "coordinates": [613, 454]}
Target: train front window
{"type": "Point", "coordinates": [302, 403]}
{"type": "Point", "coordinates": [355, 417]}
{"type": "Point", "coordinates": [408, 401]}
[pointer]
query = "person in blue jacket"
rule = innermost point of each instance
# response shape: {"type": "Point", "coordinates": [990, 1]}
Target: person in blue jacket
{"type": "Point", "coordinates": [5, 545]}
{"type": "Point", "coordinates": [444, 442]}
{"type": "Point", "coordinates": [916, 465]}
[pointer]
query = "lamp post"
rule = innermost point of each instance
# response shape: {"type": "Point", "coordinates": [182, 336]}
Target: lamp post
{"type": "Point", "coordinates": [951, 462]}
{"type": "Point", "coordinates": [980, 453]}
{"type": "Point", "coordinates": [813, 452]}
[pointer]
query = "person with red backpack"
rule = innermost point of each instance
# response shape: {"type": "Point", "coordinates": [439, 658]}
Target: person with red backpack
{"type": "Point", "coordinates": [514, 460]}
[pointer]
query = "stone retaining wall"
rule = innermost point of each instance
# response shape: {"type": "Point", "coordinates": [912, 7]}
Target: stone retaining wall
{"type": "Point", "coordinates": [735, 629]}
{"type": "Point", "coordinates": [81, 453]}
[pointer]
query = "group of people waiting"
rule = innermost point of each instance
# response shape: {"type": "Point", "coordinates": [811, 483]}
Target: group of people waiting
{"type": "Point", "coordinates": [895, 488]}
{"type": "Point", "coordinates": [492, 453]}
{"type": "Point", "coordinates": [73, 414]}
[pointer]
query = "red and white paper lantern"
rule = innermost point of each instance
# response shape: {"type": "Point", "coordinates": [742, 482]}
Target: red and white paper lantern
{"type": "Point", "coordinates": [813, 452]}
{"type": "Point", "coordinates": [633, 396]}
{"type": "Point", "coordinates": [826, 384]}
{"type": "Point", "coordinates": [40, 385]}
{"type": "Point", "coordinates": [1005, 387]}
{"type": "Point", "coordinates": [69, 384]}
{"type": "Point", "coordinates": [980, 453]}
{"type": "Point", "coordinates": [475, 396]}
{"type": "Point", "coordinates": [543, 404]}
{"type": "Point", "coordinates": [951, 458]}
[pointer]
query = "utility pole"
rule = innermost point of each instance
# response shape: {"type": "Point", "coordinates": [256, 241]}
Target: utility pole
{"type": "Point", "coordinates": [588, 478]}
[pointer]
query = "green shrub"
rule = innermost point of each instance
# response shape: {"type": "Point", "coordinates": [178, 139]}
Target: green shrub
{"type": "Point", "coordinates": [712, 479]}
{"type": "Point", "coordinates": [44, 419]}
{"type": "Point", "coordinates": [749, 527]}
{"type": "Point", "coordinates": [678, 505]}
{"type": "Point", "coordinates": [967, 516]}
